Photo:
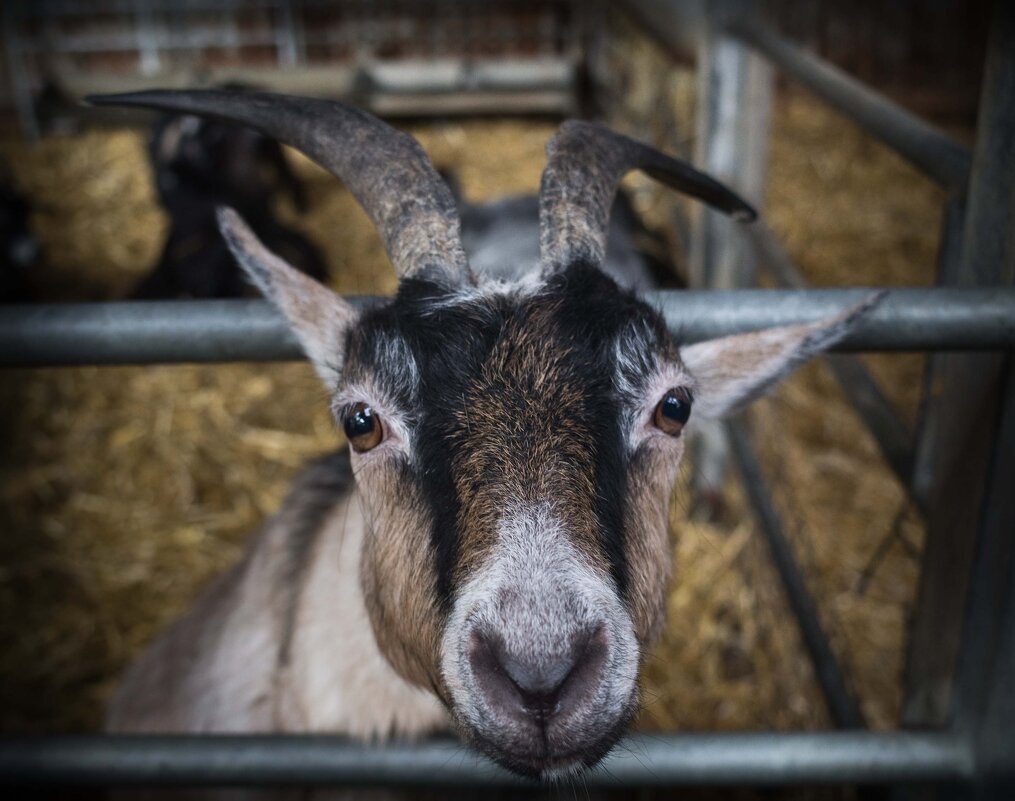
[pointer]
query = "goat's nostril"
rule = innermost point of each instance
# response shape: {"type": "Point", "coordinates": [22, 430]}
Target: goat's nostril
{"type": "Point", "coordinates": [533, 684]}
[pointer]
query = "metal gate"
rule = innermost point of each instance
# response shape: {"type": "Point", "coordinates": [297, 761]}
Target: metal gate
{"type": "Point", "coordinates": [964, 635]}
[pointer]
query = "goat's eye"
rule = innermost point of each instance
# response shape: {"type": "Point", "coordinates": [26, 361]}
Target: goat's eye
{"type": "Point", "coordinates": [363, 428]}
{"type": "Point", "coordinates": [672, 412]}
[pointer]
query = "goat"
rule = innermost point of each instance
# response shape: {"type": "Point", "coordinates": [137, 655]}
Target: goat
{"type": "Point", "coordinates": [21, 255]}
{"type": "Point", "coordinates": [201, 164]}
{"type": "Point", "coordinates": [493, 554]}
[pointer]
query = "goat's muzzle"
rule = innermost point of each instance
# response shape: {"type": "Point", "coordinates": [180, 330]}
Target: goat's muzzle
{"type": "Point", "coordinates": [539, 654]}
{"type": "Point", "coordinates": [549, 714]}
{"type": "Point", "coordinates": [545, 704]}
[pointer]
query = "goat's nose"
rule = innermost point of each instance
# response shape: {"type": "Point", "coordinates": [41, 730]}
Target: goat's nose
{"type": "Point", "coordinates": [538, 686]}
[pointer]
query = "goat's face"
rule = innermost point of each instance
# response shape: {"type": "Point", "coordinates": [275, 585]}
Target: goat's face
{"type": "Point", "coordinates": [516, 482]}
{"type": "Point", "coordinates": [514, 447]}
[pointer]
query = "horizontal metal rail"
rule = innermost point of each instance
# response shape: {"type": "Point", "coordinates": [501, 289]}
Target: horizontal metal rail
{"type": "Point", "coordinates": [932, 151]}
{"type": "Point", "coordinates": [251, 330]}
{"type": "Point", "coordinates": [653, 760]}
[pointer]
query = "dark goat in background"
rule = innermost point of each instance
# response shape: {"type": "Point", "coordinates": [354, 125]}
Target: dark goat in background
{"type": "Point", "coordinates": [20, 251]}
{"type": "Point", "coordinates": [505, 232]}
{"type": "Point", "coordinates": [201, 164]}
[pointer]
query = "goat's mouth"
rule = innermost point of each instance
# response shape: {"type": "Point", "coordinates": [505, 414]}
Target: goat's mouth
{"type": "Point", "coordinates": [549, 753]}
{"type": "Point", "coordinates": [544, 712]}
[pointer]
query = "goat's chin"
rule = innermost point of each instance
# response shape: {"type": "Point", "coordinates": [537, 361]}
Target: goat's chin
{"type": "Point", "coordinates": [541, 761]}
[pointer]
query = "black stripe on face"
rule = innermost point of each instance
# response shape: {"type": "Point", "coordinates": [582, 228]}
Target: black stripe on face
{"type": "Point", "coordinates": [596, 312]}
{"type": "Point", "coordinates": [582, 313]}
{"type": "Point", "coordinates": [449, 342]}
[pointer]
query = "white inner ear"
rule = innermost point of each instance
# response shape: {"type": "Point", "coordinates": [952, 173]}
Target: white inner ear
{"type": "Point", "coordinates": [317, 316]}
{"type": "Point", "coordinates": [732, 371]}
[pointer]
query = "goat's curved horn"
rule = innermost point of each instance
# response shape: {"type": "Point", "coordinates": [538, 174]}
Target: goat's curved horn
{"type": "Point", "coordinates": [585, 163]}
{"type": "Point", "coordinates": [386, 170]}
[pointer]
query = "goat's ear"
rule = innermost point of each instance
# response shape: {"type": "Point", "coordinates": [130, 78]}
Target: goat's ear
{"type": "Point", "coordinates": [317, 316]}
{"type": "Point", "coordinates": [731, 372]}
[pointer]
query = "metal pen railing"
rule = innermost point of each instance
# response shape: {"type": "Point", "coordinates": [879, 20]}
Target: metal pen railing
{"type": "Point", "coordinates": [149, 332]}
{"type": "Point", "coordinates": [647, 760]}
{"type": "Point", "coordinates": [907, 319]}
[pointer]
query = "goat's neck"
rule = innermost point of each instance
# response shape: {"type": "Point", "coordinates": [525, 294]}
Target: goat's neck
{"type": "Point", "coordinates": [336, 678]}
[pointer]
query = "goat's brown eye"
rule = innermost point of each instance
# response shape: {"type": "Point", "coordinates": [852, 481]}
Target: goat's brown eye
{"type": "Point", "coordinates": [672, 412]}
{"type": "Point", "coordinates": [363, 428]}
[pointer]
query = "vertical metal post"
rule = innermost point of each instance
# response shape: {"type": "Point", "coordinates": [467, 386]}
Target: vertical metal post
{"type": "Point", "coordinates": [984, 698]}
{"type": "Point", "coordinates": [147, 38]}
{"type": "Point", "coordinates": [734, 108]}
{"type": "Point", "coordinates": [929, 439]}
{"type": "Point", "coordinates": [288, 36]}
{"type": "Point", "coordinates": [20, 83]}
{"type": "Point", "coordinates": [983, 702]}
{"type": "Point", "coordinates": [962, 407]}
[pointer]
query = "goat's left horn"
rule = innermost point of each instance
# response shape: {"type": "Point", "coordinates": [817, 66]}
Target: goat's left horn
{"type": "Point", "coordinates": [585, 163]}
{"type": "Point", "coordinates": [386, 170]}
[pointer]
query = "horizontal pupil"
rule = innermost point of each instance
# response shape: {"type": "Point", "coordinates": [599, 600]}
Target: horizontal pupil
{"type": "Point", "coordinates": [360, 423]}
{"type": "Point", "coordinates": [676, 409]}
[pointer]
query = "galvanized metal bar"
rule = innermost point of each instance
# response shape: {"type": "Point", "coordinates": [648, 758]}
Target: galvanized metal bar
{"type": "Point", "coordinates": [648, 760]}
{"type": "Point", "coordinates": [21, 84]}
{"type": "Point", "coordinates": [876, 411]}
{"type": "Point", "coordinates": [842, 706]}
{"type": "Point", "coordinates": [984, 697]}
{"type": "Point", "coordinates": [147, 38]}
{"type": "Point", "coordinates": [734, 108]}
{"type": "Point", "coordinates": [250, 330]}
{"type": "Point", "coordinates": [929, 149]}
{"type": "Point", "coordinates": [286, 44]}
{"type": "Point", "coordinates": [732, 122]}
{"type": "Point", "coordinates": [932, 426]}
{"type": "Point", "coordinates": [964, 398]}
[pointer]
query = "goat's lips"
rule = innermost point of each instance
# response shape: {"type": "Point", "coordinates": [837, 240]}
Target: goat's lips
{"type": "Point", "coordinates": [536, 759]}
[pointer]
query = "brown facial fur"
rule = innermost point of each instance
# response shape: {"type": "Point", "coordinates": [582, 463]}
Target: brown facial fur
{"type": "Point", "coordinates": [406, 621]}
{"type": "Point", "coordinates": [521, 422]}
{"type": "Point", "coordinates": [651, 479]}
{"type": "Point", "coordinates": [521, 440]}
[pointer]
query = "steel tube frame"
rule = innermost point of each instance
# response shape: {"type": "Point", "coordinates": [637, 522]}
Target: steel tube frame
{"type": "Point", "coordinates": [648, 760]}
{"type": "Point", "coordinates": [243, 331]}
{"type": "Point", "coordinates": [932, 151]}
{"type": "Point", "coordinates": [251, 330]}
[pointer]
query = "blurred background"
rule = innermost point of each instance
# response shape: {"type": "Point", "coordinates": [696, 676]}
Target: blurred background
{"type": "Point", "coordinates": [123, 490]}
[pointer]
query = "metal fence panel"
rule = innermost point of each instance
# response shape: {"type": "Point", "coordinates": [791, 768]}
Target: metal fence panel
{"type": "Point", "coordinates": [251, 330]}
{"type": "Point", "coordinates": [660, 760]}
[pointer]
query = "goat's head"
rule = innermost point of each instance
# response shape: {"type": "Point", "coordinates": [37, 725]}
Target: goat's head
{"type": "Point", "coordinates": [514, 446]}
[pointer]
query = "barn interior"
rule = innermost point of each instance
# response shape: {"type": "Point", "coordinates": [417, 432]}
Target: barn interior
{"type": "Point", "coordinates": [123, 490]}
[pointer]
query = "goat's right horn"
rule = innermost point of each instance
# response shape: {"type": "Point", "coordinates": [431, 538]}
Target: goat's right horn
{"type": "Point", "coordinates": [584, 165]}
{"type": "Point", "coordinates": [386, 170]}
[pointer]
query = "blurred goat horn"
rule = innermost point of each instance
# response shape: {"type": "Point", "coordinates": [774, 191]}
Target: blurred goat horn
{"type": "Point", "coordinates": [585, 163]}
{"type": "Point", "coordinates": [386, 170]}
